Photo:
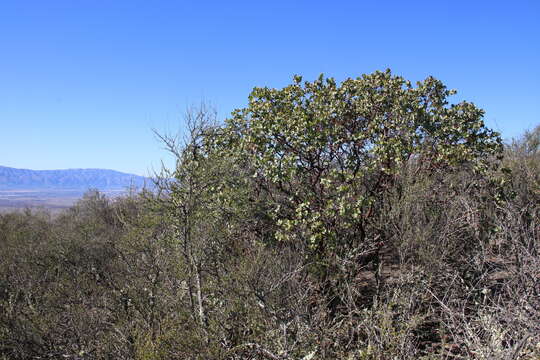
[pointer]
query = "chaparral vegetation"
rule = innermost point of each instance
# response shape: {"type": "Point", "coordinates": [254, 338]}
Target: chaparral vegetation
{"type": "Point", "coordinates": [367, 219]}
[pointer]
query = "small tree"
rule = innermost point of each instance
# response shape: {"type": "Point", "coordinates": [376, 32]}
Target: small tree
{"type": "Point", "coordinates": [328, 153]}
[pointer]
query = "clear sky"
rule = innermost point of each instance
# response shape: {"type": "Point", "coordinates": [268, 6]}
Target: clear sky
{"type": "Point", "coordinates": [83, 82]}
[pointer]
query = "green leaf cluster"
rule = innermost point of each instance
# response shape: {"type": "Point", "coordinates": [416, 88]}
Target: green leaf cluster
{"type": "Point", "coordinates": [328, 152]}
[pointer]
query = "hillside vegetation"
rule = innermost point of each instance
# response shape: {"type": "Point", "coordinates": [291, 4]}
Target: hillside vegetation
{"type": "Point", "coordinates": [370, 219]}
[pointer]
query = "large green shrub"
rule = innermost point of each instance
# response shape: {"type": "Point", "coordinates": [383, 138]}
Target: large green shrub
{"type": "Point", "coordinates": [329, 152]}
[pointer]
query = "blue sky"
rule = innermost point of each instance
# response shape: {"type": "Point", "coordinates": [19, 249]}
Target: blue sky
{"type": "Point", "coordinates": [84, 82]}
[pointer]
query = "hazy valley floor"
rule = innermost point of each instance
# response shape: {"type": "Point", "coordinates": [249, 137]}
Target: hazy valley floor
{"type": "Point", "coordinates": [51, 199]}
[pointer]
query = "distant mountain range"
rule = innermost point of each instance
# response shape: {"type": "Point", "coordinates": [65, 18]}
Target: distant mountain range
{"type": "Point", "coordinates": [71, 179]}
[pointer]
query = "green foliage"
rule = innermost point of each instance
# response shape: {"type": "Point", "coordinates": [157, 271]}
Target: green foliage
{"type": "Point", "coordinates": [366, 220]}
{"type": "Point", "coordinates": [329, 152]}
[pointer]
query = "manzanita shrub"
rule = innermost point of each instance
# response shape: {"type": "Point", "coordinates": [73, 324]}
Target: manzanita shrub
{"type": "Point", "coordinates": [328, 152]}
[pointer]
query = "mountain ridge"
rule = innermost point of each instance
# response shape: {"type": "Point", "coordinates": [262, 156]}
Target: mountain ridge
{"type": "Point", "coordinates": [80, 179]}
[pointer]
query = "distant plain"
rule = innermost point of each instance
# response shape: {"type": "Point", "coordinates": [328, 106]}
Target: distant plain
{"type": "Point", "coordinates": [56, 190]}
{"type": "Point", "coordinates": [51, 199]}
